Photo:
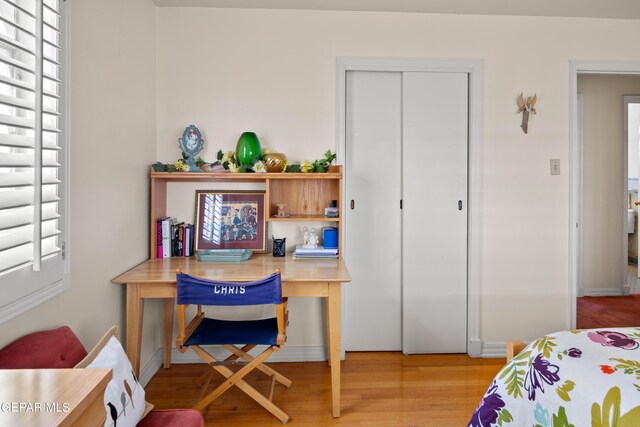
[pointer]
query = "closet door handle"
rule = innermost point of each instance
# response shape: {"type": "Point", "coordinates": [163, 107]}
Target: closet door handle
{"type": "Point", "coordinates": [353, 204]}
{"type": "Point", "coordinates": [459, 205]}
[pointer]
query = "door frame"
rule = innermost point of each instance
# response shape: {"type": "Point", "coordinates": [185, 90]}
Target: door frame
{"type": "Point", "coordinates": [627, 99]}
{"type": "Point", "coordinates": [575, 167]}
{"type": "Point", "coordinates": [474, 69]}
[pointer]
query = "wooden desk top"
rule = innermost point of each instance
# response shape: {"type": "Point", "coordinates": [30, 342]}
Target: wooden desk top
{"type": "Point", "coordinates": [49, 397]}
{"type": "Point", "coordinates": [257, 267]}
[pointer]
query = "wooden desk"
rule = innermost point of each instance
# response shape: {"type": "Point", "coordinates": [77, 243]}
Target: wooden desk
{"type": "Point", "coordinates": [156, 278]}
{"type": "Point", "coordinates": [53, 397]}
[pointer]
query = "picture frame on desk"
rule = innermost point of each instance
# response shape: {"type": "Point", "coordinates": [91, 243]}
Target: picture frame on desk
{"type": "Point", "coordinates": [230, 220]}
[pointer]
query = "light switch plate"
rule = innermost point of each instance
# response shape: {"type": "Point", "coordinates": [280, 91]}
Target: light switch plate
{"type": "Point", "coordinates": [555, 166]}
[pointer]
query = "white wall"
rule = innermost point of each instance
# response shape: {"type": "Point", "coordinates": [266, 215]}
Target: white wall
{"type": "Point", "coordinates": [603, 199]}
{"type": "Point", "coordinates": [273, 72]}
{"type": "Point", "coordinates": [112, 145]}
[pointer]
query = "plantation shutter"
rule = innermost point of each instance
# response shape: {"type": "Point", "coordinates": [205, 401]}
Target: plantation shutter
{"type": "Point", "coordinates": [32, 129]}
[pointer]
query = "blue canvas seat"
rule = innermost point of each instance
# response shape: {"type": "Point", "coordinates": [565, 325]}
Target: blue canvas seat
{"type": "Point", "coordinates": [203, 331]}
{"type": "Point", "coordinates": [214, 331]}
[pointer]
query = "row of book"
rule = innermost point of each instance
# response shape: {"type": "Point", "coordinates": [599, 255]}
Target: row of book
{"type": "Point", "coordinates": [174, 238]}
{"type": "Point", "coordinates": [320, 252]}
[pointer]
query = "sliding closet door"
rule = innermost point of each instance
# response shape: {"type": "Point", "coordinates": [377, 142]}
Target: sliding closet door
{"type": "Point", "coordinates": [372, 214]}
{"type": "Point", "coordinates": [434, 223]}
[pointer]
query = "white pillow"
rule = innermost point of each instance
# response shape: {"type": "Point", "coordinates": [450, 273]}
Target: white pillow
{"type": "Point", "coordinates": [124, 396]}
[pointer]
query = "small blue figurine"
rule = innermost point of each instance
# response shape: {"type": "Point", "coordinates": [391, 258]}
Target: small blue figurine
{"type": "Point", "coordinates": [191, 144]}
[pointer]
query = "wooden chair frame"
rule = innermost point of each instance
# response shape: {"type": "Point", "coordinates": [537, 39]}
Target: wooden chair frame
{"type": "Point", "coordinates": [250, 362]}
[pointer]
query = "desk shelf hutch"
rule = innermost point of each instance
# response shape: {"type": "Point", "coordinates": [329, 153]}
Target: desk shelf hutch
{"type": "Point", "coordinates": [305, 194]}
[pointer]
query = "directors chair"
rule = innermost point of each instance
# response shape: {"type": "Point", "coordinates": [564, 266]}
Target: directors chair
{"type": "Point", "coordinates": [203, 330]}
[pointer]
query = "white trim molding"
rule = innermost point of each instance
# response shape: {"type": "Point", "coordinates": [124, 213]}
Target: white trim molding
{"type": "Point", "coordinates": [474, 68]}
{"type": "Point", "coordinates": [150, 368]}
{"type": "Point", "coordinates": [33, 300]}
{"type": "Point", "coordinates": [494, 350]}
{"type": "Point", "coordinates": [286, 354]}
{"type": "Point", "coordinates": [474, 347]}
{"type": "Point", "coordinates": [606, 292]}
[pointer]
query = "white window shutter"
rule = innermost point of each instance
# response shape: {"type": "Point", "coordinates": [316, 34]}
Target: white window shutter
{"type": "Point", "coordinates": [32, 152]}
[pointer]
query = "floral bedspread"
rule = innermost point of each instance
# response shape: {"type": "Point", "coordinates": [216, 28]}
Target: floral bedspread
{"type": "Point", "coordinates": [588, 377]}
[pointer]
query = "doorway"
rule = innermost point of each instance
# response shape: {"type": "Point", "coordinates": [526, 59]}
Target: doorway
{"type": "Point", "coordinates": [631, 129]}
{"type": "Point", "coordinates": [615, 260]}
{"type": "Point", "coordinates": [473, 70]}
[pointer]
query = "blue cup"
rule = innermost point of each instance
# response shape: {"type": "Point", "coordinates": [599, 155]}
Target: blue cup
{"type": "Point", "coordinates": [330, 237]}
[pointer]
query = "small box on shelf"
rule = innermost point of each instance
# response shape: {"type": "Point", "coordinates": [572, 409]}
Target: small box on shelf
{"type": "Point", "coordinates": [331, 212]}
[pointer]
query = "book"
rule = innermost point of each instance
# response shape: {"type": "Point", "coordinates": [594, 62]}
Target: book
{"type": "Point", "coordinates": [174, 236]}
{"type": "Point", "coordinates": [181, 239]}
{"type": "Point", "coordinates": [159, 237]}
{"type": "Point", "coordinates": [319, 252]}
{"type": "Point", "coordinates": [187, 240]}
{"type": "Point", "coordinates": [166, 237]}
{"type": "Point", "coordinates": [192, 240]}
{"type": "Point", "coordinates": [302, 256]}
{"type": "Point", "coordinates": [176, 240]}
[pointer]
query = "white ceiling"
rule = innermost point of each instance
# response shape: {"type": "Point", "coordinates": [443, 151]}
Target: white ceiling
{"type": "Point", "coordinates": [616, 9]}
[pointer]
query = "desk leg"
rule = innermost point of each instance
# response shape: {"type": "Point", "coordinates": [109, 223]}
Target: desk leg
{"type": "Point", "coordinates": [135, 311]}
{"type": "Point", "coordinates": [333, 314]}
{"type": "Point", "coordinates": [168, 307]}
{"type": "Point", "coordinates": [327, 316]}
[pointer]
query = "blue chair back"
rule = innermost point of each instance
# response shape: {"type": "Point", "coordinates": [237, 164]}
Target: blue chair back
{"type": "Point", "coordinates": [195, 290]}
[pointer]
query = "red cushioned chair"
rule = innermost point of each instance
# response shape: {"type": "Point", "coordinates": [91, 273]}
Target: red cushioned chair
{"type": "Point", "coordinates": [60, 348]}
{"type": "Point", "coordinates": [54, 349]}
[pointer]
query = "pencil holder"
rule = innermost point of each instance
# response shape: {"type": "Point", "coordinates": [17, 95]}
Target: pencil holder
{"type": "Point", "coordinates": [279, 246]}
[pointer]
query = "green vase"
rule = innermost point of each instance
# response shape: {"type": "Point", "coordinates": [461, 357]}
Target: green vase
{"type": "Point", "coordinates": [247, 149]}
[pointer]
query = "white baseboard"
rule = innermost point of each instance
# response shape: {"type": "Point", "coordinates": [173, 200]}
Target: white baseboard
{"type": "Point", "coordinates": [150, 368]}
{"type": "Point", "coordinates": [474, 348]}
{"type": "Point", "coordinates": [626, 290]}
{"type": "Point", "coordinates": [492, 350]}
{"type": "Point", "coordinates": [295, 354]}
{"type": "Point", "coordinates": [287, 354]}
{"type": "Point", "coordinates": [605, 292]}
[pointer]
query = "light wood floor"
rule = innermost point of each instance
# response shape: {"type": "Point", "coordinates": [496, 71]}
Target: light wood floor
{"type": "Point", "coordinates": [378, 389]}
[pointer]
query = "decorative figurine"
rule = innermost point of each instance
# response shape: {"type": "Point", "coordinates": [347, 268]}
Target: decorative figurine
{"type": "Point", "coordinates": [281, 212]}
{"type": "Point", "coordinates": [191, 144]}
{"type": "Point", "coordinates": [305, 237]}
{"type": "Point", "coordinates": [309, 238]}
{"type": "Point", "coordinates": [526, 107]}
{"type": "Point", "coordinates": [313, 239]}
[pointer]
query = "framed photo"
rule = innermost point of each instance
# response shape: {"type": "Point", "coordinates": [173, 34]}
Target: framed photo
{"type": "Point", "coordinates": [230, 220]}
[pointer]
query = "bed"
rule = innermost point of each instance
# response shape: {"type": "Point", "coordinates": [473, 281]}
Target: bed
{"type": "Point", "coordinates": [588, 377]}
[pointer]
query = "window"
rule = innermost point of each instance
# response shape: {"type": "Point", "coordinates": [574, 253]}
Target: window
{"type": "Point", "coordinates": [212, 224]}
{"type": "Point", "coordinates": [33, 123]}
